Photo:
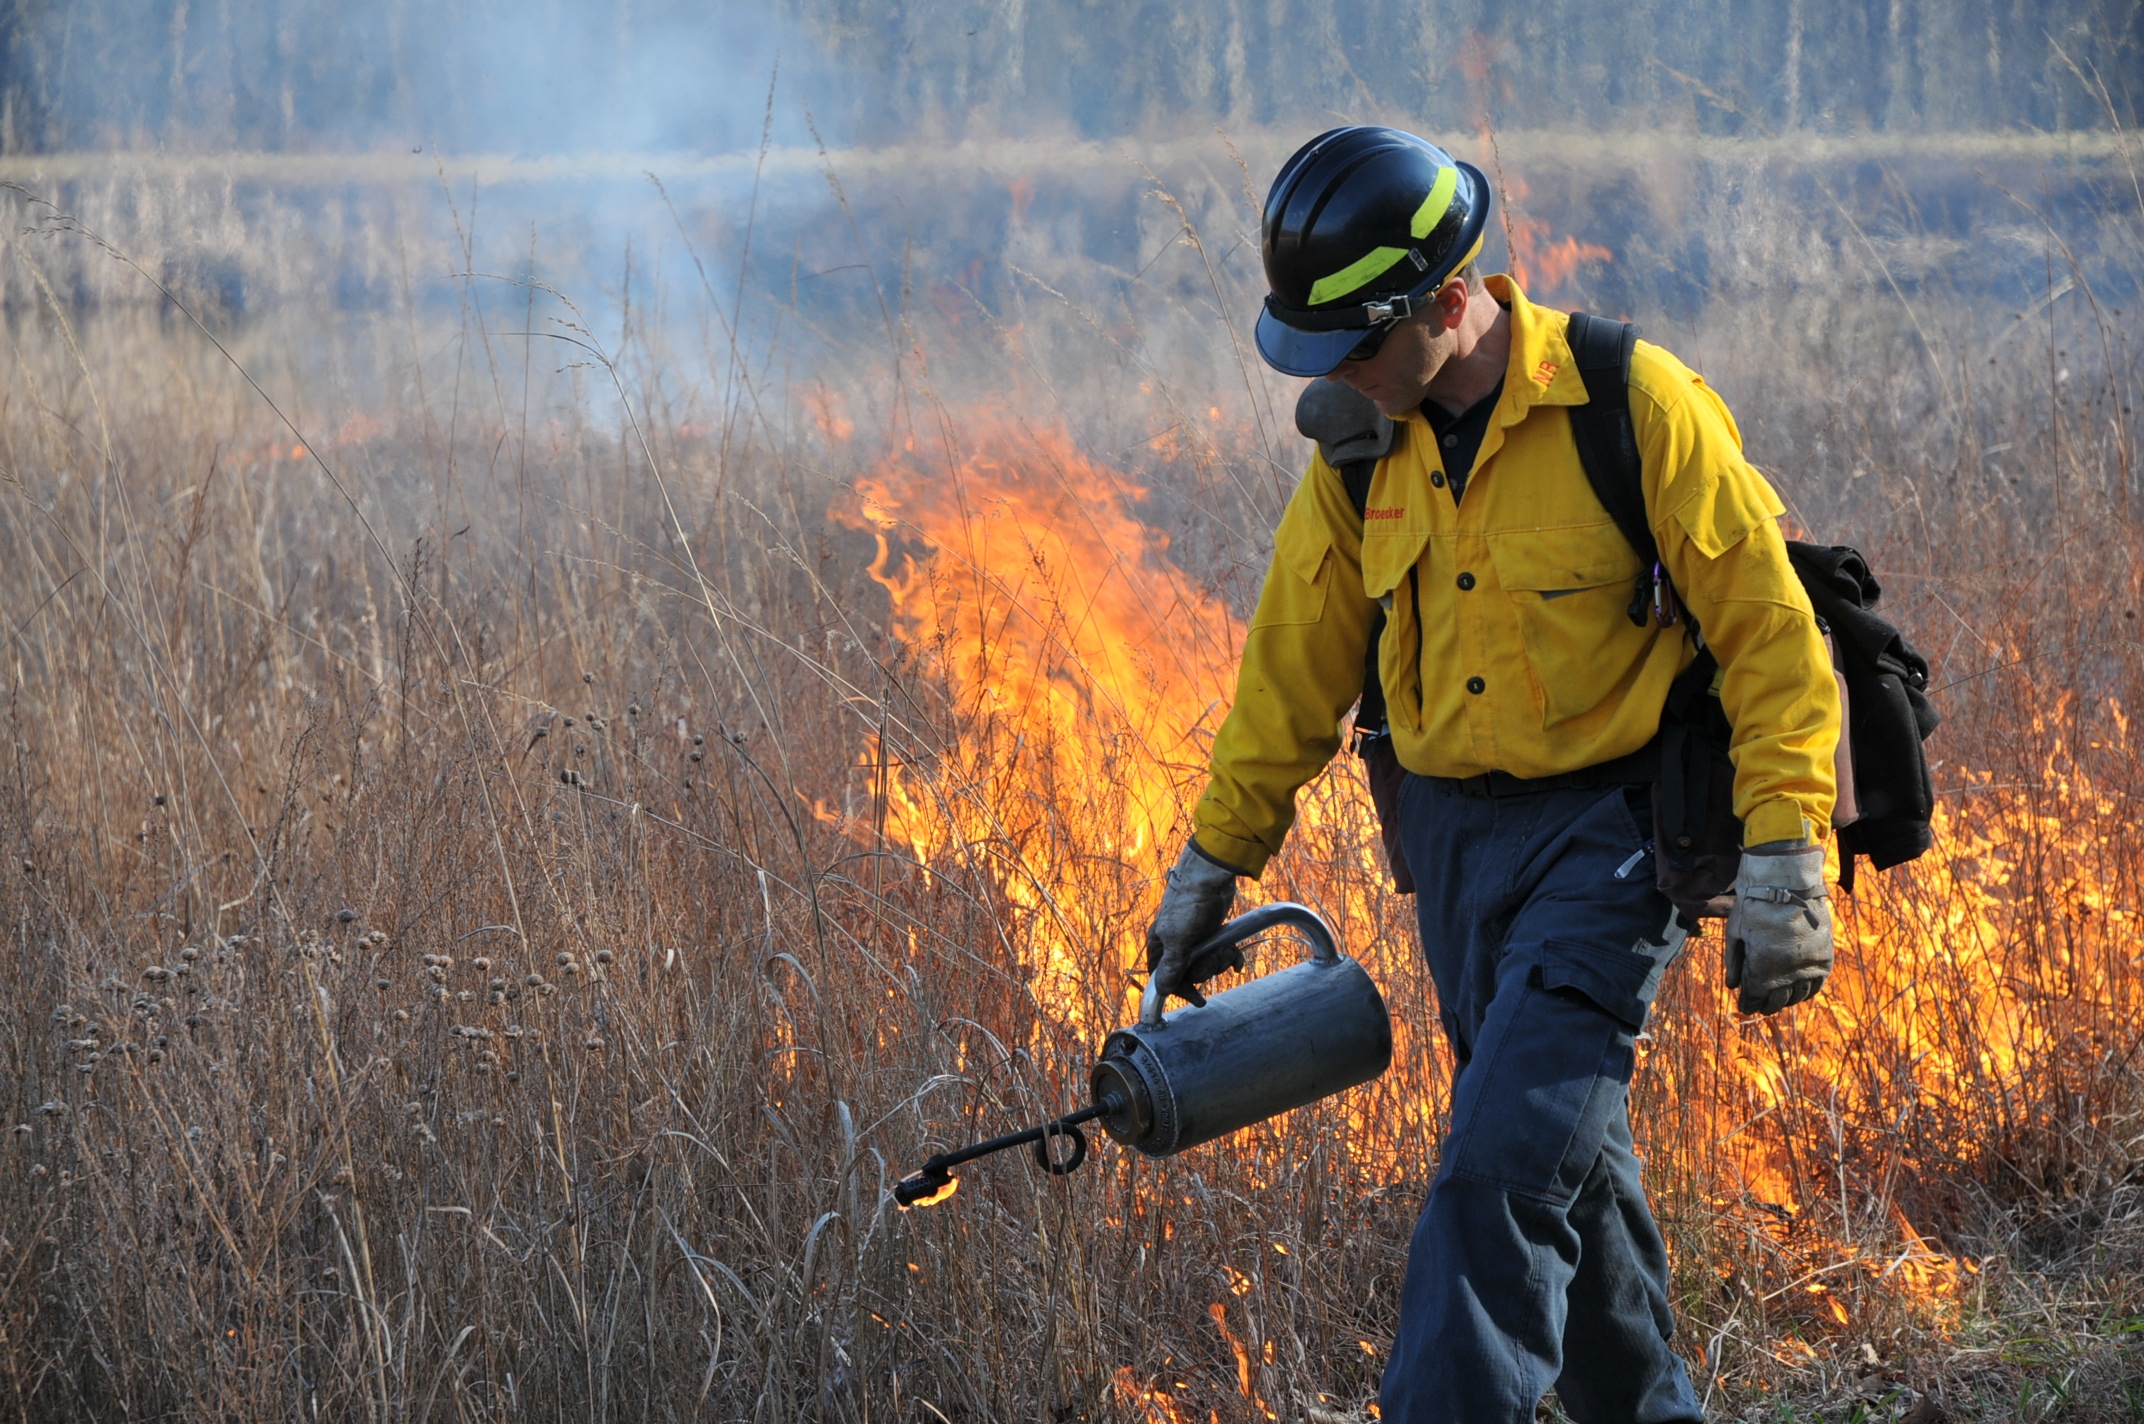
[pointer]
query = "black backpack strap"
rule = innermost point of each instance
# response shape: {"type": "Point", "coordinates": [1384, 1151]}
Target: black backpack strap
{"type": "Point", "coordinates": [1607, 441]}
{"type": "Point", "coordinates": [1352, 434]}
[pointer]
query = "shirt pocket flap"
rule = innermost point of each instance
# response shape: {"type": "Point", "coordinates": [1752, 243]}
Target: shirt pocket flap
{"type": "Point", "coordinates": [1296, 585]}
{"type": "Point", "coordinates": [1552, 561]}
{"type": "Point", "coordinates": [1722, 513]}
{"type": "Point", "coordinates": [1620, 983]}
{"type": "Point", "coordinates": [1387, 555]}
{"type": "Point", "coordinates": [1302, 549]}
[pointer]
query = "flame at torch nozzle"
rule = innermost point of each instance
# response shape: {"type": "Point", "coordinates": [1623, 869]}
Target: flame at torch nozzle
{"type": "Point", "coordinates": [936, 1194]}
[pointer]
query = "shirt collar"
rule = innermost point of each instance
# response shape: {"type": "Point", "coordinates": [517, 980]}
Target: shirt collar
{"type": "Point", "coordinates": [1541, 370]}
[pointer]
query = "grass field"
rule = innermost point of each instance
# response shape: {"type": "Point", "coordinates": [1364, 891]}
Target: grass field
{"type": "Point", "coordinates": [524, 822]}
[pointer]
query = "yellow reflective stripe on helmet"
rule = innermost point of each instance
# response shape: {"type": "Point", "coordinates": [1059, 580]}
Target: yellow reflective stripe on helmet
{"type": "Point", "coordinates": [1379, 260]}
{"type": "Point", "coordinates": [1433, 207]}
{"type": "Point", "coordinates": [1361, 270]}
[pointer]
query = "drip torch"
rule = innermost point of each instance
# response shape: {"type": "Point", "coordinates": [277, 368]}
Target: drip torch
{"type": "Point", "coordinates": [1282, 1040]}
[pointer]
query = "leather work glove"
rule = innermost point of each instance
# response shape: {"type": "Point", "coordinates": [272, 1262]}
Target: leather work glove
{"type": "Point", "coordinates": [1779, 932]}
{"type": "Point", "coordinates": [1195, 902]}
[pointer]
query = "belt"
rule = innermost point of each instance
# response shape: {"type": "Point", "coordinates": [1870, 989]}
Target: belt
{"type": "Point", "coordinates": [1638, 768]}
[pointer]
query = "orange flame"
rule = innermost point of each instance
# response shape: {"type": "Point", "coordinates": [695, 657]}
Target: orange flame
{"type": "Point", "coordinates": [1084, 668]}
{"type": "Point", "coordinates": [1154, 1404]}
{"type": "Point", "coordinates": [1537, 264]}
{"type": "Point", "coordinates": [952, 1185]}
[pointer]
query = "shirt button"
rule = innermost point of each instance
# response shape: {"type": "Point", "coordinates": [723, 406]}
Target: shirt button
{"type": "Point", "coordinates": [1436, 477]}
{"type": "Point", "coordinates": [1476, 686]}
{"type": "Point", "coordinates": [1466, 582]}
{"type": "Point", "coordinates": [1451, 442]}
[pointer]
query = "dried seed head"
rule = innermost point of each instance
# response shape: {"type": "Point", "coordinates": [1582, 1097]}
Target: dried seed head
{"type": "Point", "coordinates": [569, 969]}
{"type": "Point", "coordinates": [189, 954]}
{"type": "Point", "coordinates": [564, 959]}
{"type": "Point", "coordinates": [632, 709]}
{"type": "Point", "coordinates": [594, 1044]}
{"type": "Point", "coordinates": [481, 963]}
{"type": "Point", "coordinates": [345, 915]}
{"type": "Point", "coordinates": [547, 989]}
{"type": "Point", "coordinates": [588, 677]}
{"type": "Point", "coordinates": [400, 1016]}
{"type": "Point", "coordinates": [156, 973]}
{"type": "Point", "coordinates": [383, 985]}
{"type": "Point", "coordinates": [38, 1170]}
{"type": "Point", "coordinates": [156, 1055]}
{"type": "Point", "coordinates": [603, 956]}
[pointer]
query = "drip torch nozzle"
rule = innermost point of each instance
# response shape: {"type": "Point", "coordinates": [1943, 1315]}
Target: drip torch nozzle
{"type": "Point", "coordinates": [935, 1179]}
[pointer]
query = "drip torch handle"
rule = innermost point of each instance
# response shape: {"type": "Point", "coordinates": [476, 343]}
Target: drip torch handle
{"type": "Point", "coordinates": [1324, 946]}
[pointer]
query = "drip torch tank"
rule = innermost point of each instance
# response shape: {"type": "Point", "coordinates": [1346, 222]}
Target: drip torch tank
{"type": "Point", "coordinates": [1278, 1042]}
{"type": "Point", "coordinates": [1259, 1049]}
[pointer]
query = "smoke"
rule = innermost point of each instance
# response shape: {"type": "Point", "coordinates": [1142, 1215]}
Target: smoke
{"type": "Point", "coordinates": [524, 77]}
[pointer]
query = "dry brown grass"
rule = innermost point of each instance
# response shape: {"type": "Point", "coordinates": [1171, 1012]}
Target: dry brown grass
{"type": "Point", "coordinates": [460, 964]}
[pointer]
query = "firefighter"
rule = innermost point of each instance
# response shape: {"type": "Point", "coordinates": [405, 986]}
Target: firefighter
{"type": "Point", "coordinates": [1524, 705]}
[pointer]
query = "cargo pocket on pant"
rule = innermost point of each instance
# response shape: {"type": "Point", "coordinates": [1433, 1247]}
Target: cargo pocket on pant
{"type": "Point", "coordinates": [1620, 983]}
{"type": "Point", "coordinates": [1534, 1106]}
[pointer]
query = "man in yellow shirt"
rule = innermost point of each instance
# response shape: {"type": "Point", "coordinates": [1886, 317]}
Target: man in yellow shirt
{"type": "Point", "coordinates": [1524, 699]}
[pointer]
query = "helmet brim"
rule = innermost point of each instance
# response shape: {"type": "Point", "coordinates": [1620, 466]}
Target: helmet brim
{"type": "Point", "coordinates": [1294, 352]}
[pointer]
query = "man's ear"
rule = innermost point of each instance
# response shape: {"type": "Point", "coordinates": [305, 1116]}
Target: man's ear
{"type": "Point", "coordinates": [1449, 306]}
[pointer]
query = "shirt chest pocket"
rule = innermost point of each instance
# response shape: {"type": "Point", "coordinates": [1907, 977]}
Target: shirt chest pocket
{"type": "Point", "coordinates": [1388, 575]}
{"type": "Point", "coordinates": [1569, 590]}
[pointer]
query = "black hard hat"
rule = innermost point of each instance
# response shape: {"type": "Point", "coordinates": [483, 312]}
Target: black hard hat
{"type": "Point", "coordinates": [1362, 223]}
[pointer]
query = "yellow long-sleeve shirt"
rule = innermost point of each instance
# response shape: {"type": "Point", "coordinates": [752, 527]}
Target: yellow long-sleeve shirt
{"type": "Point", "coordinates": [1522, 658]}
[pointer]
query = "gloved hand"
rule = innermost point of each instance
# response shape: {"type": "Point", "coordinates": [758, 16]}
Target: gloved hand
{"type": "Point", "coordinates": [1195, 901]}
{"type": "Point", "coordinates": [1779, 932]}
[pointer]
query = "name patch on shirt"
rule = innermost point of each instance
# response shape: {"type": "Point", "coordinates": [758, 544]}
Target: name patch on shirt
{"type": "Point", "coordinates": [1383, 513]}
{"type": "Point", "coordinates": [1546, 372]}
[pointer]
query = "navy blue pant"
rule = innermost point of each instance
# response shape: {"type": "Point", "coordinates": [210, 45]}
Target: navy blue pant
{"type": "Point", "coordinates": [1536, 1261]}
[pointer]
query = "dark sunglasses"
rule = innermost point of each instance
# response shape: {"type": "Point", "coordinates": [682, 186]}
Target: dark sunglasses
{"type": "Point", "coordinates": [1373, 341]}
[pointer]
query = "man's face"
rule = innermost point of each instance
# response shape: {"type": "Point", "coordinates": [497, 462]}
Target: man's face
{"type": "Point", "coordinates": [1397, 378]}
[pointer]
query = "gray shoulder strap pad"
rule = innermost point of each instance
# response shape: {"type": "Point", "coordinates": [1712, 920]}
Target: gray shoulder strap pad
{"type": "Point", "coordinates": [1346, 425]}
